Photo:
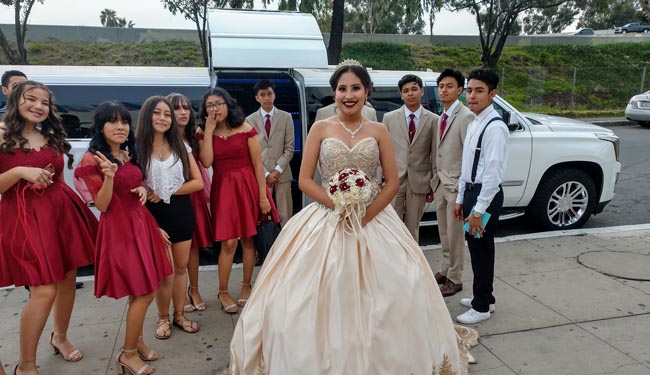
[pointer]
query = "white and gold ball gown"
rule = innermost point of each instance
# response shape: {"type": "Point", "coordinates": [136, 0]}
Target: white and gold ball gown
{"type": "Point", "coordinates": [329, 301]}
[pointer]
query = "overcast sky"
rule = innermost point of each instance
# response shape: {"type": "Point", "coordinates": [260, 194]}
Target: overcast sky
{"type": "Point", "coordinates": [152, 14]}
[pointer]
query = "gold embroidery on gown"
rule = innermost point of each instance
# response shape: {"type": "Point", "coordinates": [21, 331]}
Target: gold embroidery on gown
{"type": "Point", "coordinates": [328, 302]}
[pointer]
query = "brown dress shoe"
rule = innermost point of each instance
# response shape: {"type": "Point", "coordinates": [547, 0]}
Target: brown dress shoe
{"type": "Point", "coordinates": [439, 278]}
{"type": "Point", "coordinates": [449, 289]}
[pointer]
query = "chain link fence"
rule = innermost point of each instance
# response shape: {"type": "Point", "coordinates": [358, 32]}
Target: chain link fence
{"type": "Point", "coordinates": [573, 89]}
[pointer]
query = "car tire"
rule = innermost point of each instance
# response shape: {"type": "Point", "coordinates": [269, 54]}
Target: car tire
{"type": "Point", "coordinates": [645, 124]}
{"type": "Point", "coordinates": [564, 200]}
{"type": "Point", "coordinates": [624, 31]}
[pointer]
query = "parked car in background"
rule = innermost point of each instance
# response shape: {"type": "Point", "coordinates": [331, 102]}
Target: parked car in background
{"type": "Point", "coordinates": [633, 27]}
{"type": "Point", "coordinates": [585, 31]}
{"type": "Point", "coordinates": [638, 109]}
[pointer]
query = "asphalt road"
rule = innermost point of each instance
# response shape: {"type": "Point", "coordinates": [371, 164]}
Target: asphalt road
{"type": "Point", "coordinates": [631, 205]}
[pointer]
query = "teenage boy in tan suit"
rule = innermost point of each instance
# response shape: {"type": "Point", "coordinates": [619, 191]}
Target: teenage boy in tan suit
{"type": "Point", "coordinates": [275, 132]}
{"type": "Point", "coordinates": [448, 138]}
{"type": "Point", "coordinates": [411, 128]}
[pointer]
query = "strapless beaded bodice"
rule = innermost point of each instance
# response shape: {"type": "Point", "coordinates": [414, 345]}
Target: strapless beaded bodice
{"type": "Point", "coordinates": [336, 155]}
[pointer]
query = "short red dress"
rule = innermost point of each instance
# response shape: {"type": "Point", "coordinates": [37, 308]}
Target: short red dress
{"type": "Point", "coordinates": [234, 199]}
{"type": "Point", "coordinates": [201, 206]}
{"type": "Point", "coordinates": [46, 233]}
{"type": "Point", "coordinates": [131, 256]}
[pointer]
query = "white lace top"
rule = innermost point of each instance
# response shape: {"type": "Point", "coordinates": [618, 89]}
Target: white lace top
{"type": "Point", "coordinates": [165, 177]}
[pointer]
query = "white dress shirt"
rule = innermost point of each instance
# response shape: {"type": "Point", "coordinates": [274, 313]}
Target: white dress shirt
{"type": "Point", "coordinates": [270, 113]}
{"type": "Point", "coordinates": [417, 113]}
{"type": "Point", "coordinates": [450, 110]}
{"type": "Point", "coordinates": [492, 162]}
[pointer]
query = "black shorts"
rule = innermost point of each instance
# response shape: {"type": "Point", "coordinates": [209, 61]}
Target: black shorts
{"type": "Point", "coordinates": [175, 218]}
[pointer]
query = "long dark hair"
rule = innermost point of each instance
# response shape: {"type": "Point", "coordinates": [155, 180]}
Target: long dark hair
{"type": "Point", "coordinates": [144, 136]}
{"type": "Point", "coordinates": [178, 100]}
{"type": "Point", "coordinates": [236, 116]}
{"type": "Point", "coordinates": [112, 111]}
{"type": "Point", "coordinates": [51, 127]}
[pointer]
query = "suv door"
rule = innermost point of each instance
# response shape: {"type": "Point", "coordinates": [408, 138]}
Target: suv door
{"type": "Point", "coordinates": [520, 149]}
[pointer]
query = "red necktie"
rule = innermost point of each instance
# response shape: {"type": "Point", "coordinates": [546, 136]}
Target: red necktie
{"type": "Point", "coordinates": [267, 125]}
{"type": "Point", "coordinates": [443, 125]}
{"type": "Point", "coordinates": [411, 127]}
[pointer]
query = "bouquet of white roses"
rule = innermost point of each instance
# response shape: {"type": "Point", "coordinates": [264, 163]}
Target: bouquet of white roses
{"type": "Point", "coordinates": [351, 191]}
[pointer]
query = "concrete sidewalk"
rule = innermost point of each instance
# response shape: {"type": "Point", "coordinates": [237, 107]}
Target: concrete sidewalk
{"type": "Point", "coordinates": [558, 312]}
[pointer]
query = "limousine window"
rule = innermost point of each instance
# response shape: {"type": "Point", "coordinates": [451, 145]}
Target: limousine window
{"type": "Point", "coordinates": [77, 104]}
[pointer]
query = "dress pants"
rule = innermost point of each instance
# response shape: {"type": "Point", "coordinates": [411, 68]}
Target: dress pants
{"type": "Point", "coordinates": [452, 236]}
{"type": "Point", "coordinates": [281, 193]}
{"type": "Point", "coordinates": [410, 207]}
{"type": "Point", "coordinates": [481, 249]}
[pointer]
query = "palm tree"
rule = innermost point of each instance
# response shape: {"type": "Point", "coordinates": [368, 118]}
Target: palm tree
{"type": "Point", "coordinates": [108, 18]}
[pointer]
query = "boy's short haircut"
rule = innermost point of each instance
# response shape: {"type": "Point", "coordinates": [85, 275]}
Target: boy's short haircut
{"type": "Point", "coordinates": [6, 76]}
{"type": "Point", "coordinates": [487, 76]}
{"type": "Point", "coordinates": [455, 74]}
{"type": "Point", "coordinates": [263, 85]}
{"type": "Point", "coordinates": [408, 79]}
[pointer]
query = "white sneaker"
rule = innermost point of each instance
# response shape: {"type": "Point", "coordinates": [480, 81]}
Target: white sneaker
{"type": "Point", "coordinates": [467, 302]}
{"type": "Point", "coordinates": [472, 317]}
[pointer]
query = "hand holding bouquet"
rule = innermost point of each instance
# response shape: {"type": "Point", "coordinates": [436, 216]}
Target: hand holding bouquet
{"type": "Point", "coordinates": [351, 191]}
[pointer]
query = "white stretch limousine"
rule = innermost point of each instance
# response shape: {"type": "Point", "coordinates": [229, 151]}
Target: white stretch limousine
{"type": "Point", "coordinates": [560, 171]}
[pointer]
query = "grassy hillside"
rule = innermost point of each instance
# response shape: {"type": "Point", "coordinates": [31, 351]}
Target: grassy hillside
{"type": "Point", "coordinates": [170, 53]}
{"type": "Point", "coordinates": [535, 78]}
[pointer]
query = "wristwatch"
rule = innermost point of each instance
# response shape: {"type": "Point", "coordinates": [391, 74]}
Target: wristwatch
{"type": "Point", "coordinates": [477, 214]}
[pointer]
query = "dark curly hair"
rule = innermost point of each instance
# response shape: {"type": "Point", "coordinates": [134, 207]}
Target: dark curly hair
{"type": "Point", "coordinates": [189, 133]}
{"type": "Point", "coordinates": [111, 111]}
{"type": "Point", "coordinates": [51, 128]}
{"type": "Point", "coordinates": [236, 116]}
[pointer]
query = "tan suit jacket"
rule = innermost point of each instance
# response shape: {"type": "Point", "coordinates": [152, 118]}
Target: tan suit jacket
{"type": "Point", "coordinates": [448, 151]}
{"type": "Point", "coordinates": [413, 159]}
{"type": "Point", "coordinates": [330, 110]}
{"type": "Point", "coordinates": [447, 156]}
{"type": "Point", "coordinates": [277, 147]}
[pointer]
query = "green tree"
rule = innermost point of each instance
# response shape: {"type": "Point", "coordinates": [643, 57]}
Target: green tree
{"type": "Point", "coordinates": [123, 23]}
{"type": "Point", "coordinates": [552, 19]}
{"type": "Point", "coordinates": [384, 17]}
{"type": "Point", "coordinates": [606, 14]}
{"type": "Point", "coordinates": [197, 12]}
{"type": "Point", "coordinates": [335, 44]}
{"type": "Point", "coordinates": [432, 7]}
{"type": "Point", "coordinates": [496, 20]}
{"type": "Point", "coordinates": [22, 10]}
{"type": "Point", "coordinates": [108, 18]}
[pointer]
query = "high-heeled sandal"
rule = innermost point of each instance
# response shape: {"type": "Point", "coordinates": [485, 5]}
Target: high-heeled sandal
{"type": "Point", "coordinates": [230, 309]}
{"type": "Point", "coordinates": [151, 356]}
{"type": "Point", "coordinates": [20, 364]}
{"type": "Point", "coordinates": [186, 325]}
{"type": "Point", "coordinates": [164, 329]}
{"type": "Point", "coordinates": [241, 302]}
{"type": "Point", "coordinates": [74, 356]}
{"type": "Point", "coordinates": [197, 306]}
{"type": "Point", "coordinates": [122, 368]}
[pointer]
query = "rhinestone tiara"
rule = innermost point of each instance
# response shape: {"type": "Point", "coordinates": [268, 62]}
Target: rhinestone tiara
{"type": "Point", "coordinates": [348, 62]}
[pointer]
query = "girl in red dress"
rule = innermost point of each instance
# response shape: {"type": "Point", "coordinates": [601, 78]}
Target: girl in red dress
{"type": "Point", "coordinates": [239, 193]}
{"type": "Point", "coordinates": [200, 201]}
{"type": "Point", "coordinates": [47, 231]}
{"type": "Point", "coordinates": [131, 253]}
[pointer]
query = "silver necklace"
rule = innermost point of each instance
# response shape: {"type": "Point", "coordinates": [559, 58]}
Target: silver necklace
{"type": "Point", "coordinates": [353, 133]}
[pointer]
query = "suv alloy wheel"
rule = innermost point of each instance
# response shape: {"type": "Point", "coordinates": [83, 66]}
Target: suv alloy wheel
{"type": "Point", "coordinates": [564, 200]}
